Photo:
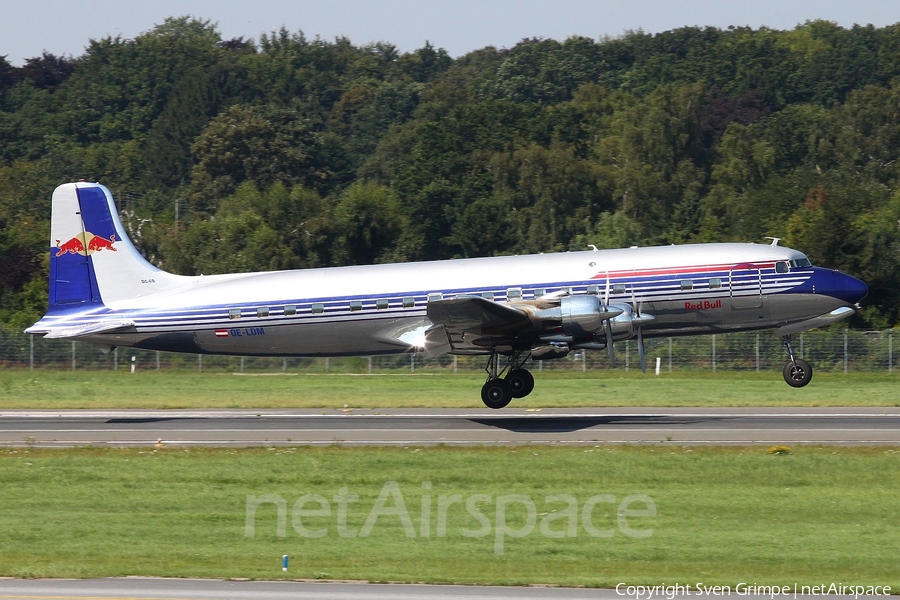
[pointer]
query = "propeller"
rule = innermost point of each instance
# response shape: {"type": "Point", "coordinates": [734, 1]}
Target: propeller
{"type": "Point", "coordinates": [609, 332]}
{"type": "Point", "coordinates": [640, 333]}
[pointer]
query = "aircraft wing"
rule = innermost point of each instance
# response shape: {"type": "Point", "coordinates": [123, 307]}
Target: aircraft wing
{"type": "Point", "coordinates": [473, 324]}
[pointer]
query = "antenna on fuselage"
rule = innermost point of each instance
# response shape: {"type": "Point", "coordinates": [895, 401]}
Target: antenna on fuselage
{"type": "Point", "coordinates": [775, 240]}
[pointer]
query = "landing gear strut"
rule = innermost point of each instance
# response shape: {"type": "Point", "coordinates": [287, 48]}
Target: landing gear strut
{"type": "Point", "coordinates": [797, 372]}
{"type": "Point", "coordinates": [499, 390]}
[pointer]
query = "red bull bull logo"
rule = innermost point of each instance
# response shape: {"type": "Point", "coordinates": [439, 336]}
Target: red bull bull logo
{"type": "Point", "coordinates": [73, 246]}
{"type": "Point", "coordinates": [85, 244]}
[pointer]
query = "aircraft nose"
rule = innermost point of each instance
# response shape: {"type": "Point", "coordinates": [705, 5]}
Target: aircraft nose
{"type": "Point", "coordinates": [845, 287]}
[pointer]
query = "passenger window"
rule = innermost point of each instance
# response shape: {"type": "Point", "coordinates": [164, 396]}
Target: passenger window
{"type": "Point", "coordinates": [409, 302]}
{"type": "Point", "coordinates": [355, 305]}
{"type": "Point", "coordinates": [687, 285]}
{"type": "Point", "coordinates": [538, 292]}
{"type": "Point", "coordinates": [781, 267]}
{"type": "Point", "coordinates": [234, 313]}
{"type": "Point", "coordinates": [513, 294]}
{"type": "Point", "coordinates": [381, 304]}
{"type": "Point", "coordinates": [618, 288]}
{"type": "Point", "coordinates": [262, 312]}
{"type": "Point", "coordinates": [318, 308]}
{"type": "Point", "coordinates": [715, 283]}
{"type": "Point", "coordinates": [487, 295]}
{"type": "Point", "coordinates": [289, 310]}
{"type": "Point", "coordinates": [434, 297]}
{"type": "Point", "coordinates": [593, 289]}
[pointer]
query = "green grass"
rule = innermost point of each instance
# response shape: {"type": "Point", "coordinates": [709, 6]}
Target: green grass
{"type": "Point", "coordinates": [182, 389]}
{"type": "Point", "coordinates": [724, 515]}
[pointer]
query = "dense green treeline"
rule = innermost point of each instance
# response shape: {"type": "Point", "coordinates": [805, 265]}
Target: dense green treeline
{"type": "Point", "coordinates": [286, 152]}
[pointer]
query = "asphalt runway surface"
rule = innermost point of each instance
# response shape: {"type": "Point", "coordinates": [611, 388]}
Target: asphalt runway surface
{"type": "Point", "coordinates": [135, 588]}
{"type": "Point", "coordinates": [404, 427]}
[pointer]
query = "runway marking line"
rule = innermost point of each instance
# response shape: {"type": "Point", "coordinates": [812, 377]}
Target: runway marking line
{"type": "Point", "coordinates": [44, 597]}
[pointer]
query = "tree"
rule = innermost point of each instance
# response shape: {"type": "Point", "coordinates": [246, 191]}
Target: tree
{"type": "Point", "coordinates": [368, 223]}
{"type": "Point", "coordinates": [260, 144]}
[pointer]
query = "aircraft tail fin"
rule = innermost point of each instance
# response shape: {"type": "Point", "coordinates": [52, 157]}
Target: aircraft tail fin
{"type": "Point", "coordinates": [92, 261]}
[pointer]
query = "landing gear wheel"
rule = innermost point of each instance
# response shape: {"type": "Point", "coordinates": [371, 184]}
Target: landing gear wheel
{"type": "Point", "coordinates": [797, 373]}
{"type": "Point", "coordinates": [521, 382]}
{"type": "Point", "coordinates": [496, 393]}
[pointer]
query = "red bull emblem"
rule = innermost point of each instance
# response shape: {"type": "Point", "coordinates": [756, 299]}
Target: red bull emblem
{"type": "Point", "coordinates": [85, 244]}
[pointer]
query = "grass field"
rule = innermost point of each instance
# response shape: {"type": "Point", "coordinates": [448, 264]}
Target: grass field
{"type": "Point", "coordinates": [181, 389]}
{"type": "Point", "coordinates": [723, 515]}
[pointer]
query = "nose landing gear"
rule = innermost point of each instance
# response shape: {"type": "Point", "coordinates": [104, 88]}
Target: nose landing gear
{"type": "Point", "coordinates": [797, 372]}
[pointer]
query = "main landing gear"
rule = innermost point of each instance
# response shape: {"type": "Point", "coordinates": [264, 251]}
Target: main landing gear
{"type": "Point", "coordinates": [797, 372]}
{"type": "Point", "coordinates": [499, 389]}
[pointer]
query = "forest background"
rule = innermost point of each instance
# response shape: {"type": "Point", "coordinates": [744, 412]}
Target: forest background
{"type": "Point", "coordinates": [288, 152]}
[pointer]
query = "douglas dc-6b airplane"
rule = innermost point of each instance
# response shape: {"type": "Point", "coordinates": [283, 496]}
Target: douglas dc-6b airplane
{"type": "Point", "coordinates": [508, 308]}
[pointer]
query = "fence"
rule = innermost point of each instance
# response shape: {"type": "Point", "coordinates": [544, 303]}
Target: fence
{"type": "Point", "coordinates": [836, 350]}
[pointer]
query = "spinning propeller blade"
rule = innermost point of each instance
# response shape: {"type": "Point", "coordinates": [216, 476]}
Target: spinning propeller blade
{"type": "Point", "coordinates": [640, 334]}
{"type": "Point", "coordinates": [609, 332]}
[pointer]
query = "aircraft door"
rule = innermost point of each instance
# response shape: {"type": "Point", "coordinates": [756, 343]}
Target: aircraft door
{"type": "Point", "coordinates": [745, 287]}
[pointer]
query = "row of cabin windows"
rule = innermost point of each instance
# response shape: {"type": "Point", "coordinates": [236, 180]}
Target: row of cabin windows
{"type": "Point", "coordinates": [319, 307]}
{"type": "Point", "coordinates": [714, 284]}
{"type": "Point", "coordinates": [408, 302]}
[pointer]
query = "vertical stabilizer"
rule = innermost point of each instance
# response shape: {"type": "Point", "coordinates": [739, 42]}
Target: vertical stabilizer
{"type": "Point", "coordinates": [92, 261]}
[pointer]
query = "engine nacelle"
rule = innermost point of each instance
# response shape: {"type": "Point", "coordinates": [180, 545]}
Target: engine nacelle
{"type": "Point", "coordinates": [581, 315]}
{"type": "Point", "coordinates": [626, 321]}
{"type": "Point", "coordinates": [571, 317]}
{"type": "Point", "coordinates": [623, 324]}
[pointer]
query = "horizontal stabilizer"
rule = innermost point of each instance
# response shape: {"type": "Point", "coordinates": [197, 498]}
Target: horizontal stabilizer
{"type": "Point", "coordinates": [820, 321]}
{"type": "Point", "coordinates": [76, 331]}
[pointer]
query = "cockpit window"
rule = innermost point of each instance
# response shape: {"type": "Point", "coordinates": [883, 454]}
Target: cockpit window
{"type": "Point", "coordinates": [801, 262]}
{"type": "Point", "coordinates": [781, 267]}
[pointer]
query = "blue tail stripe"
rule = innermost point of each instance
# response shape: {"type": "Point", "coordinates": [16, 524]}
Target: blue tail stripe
{"type": "Point", "coordinates": [95, 212]}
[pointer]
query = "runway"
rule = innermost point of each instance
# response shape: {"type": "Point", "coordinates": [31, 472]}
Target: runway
{"type": "Point", "coordinates": [133, 588]}
{"type": "Point", "coordinates": [139, 588]}
{"type": "Point", "coordinates": [404, 427]}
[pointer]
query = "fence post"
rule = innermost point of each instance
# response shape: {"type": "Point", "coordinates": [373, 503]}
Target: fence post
{"type": "Point", "coordinates": [73, 356]}
{"type": "Point", "coordinates": [801, 346]}
{"type": "Point", "coordinates": [714, 353]}
{"type": "Point", "coordinates": [369, 371]}
{"type": "Point", "coordinates": [31, 353]}
{"type": "Point", "coordinates": [327, 364]}
{"type": "Point", "coordinates": [670, 355]}
{"type": "Point", "coordinates": [627, 354]}
{"type": "Point", "coordinates": [115, 359]}
{"type": "Point", "coordinates": [242, 364]}
{"type": "Point", "coordinates": [157, 360]}
{"type": "Point", "coordinates": [891, 351]}
{"type": "Point", "coordinates": [199, 363]}
{"type": "Point", "coordinates": [757, 353]}
{"type": "Point", "coordinates": [845, 352]}
{"type": "Point", "coordinates": [412, 362]}
{"type": "Point", "coordinates": [284, 364]}
{"type": "Point", "coordinates": [455, 361]}
{"type": "Point", "coordinates": [583, 361]}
